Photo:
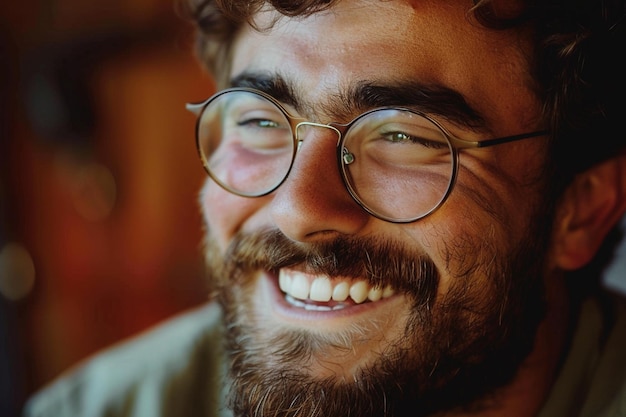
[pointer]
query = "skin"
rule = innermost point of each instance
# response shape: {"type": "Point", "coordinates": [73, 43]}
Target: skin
{"type": "Point", "coordinates": [490, 211]}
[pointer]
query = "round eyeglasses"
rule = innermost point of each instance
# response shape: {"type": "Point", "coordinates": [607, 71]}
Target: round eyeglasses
{"type": "Point", "coordinates": [398, 164]}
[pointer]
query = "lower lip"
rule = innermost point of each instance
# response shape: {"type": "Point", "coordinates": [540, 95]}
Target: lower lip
{"type": "Point", "coordinates": [282, 307]}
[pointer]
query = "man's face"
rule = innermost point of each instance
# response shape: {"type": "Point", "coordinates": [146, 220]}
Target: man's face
{"type": "Point", "coordinates": [455, 319]}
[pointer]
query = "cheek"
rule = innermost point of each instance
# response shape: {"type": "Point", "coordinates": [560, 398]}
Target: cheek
{"type": "Point", "coordinates": [461, 242]}
{"type": "Point", "coordinates": [224, 213]}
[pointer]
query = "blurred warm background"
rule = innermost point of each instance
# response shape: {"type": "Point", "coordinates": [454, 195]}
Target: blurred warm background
{"type": "Point", "coordinates": [99, 227]}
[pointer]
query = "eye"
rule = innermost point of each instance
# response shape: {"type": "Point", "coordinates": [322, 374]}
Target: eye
{"type": "Point", "coordinates": [260, 129]}
{"type": "Point", "coordinates": [415, 139]}
{"type": "Point", "coordinates": [258, 122]}
{"type": "Point", "coordinates": [398, 137]}
{"type": "Point", "coordinates": [259, 117]}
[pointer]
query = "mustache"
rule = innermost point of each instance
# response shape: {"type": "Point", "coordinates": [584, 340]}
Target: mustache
{"type": "Point", "coordinates": [380, 261]}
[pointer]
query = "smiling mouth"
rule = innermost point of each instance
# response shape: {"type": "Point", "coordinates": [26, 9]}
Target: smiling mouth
{"type": "Point", "coordinates": [320, 293]}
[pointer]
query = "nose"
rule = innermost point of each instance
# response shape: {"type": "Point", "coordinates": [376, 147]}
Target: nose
{"type": "Point", "coordinates": [313, 203]}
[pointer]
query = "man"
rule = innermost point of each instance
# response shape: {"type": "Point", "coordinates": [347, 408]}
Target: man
{"type": "Point", "coordinates": [408, 207]}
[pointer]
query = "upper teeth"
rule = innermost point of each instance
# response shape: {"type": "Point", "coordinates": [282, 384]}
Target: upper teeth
{"type": "Point", "coordinates": [320, 288]}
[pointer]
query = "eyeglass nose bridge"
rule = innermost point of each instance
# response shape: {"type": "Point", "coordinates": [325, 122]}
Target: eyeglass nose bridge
{"type": "Point", "coordinates": [299, 139]}
{"type": "Point", "coordinates": [346, 156]}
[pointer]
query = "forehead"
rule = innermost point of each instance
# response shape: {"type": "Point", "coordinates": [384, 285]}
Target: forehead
{"type": "Point", "coordinates": [375, 41]}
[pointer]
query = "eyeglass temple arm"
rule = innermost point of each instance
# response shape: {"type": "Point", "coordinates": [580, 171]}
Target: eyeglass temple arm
{"type": "Point", "coordinates": [467, 144]}
{"type": "Point", "coordinates": [195, 108]}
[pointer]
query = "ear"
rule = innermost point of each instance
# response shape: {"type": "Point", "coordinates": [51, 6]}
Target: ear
{"type": "Point", "coordinates": [591, 206]}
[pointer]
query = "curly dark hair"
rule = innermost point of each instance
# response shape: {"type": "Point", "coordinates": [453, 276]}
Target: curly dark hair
{"type": "Point", "coordinates": [578, 64]}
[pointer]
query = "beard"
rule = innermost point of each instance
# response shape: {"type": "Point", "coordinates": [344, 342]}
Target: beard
{"type": "Point", "coordinates": [455, 351]}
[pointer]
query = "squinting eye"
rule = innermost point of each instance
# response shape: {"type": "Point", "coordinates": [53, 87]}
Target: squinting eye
{"type": "Point", "coordinates": [267, 123]}
{"type": "Point", "coordinates": [402, 137]}
{"type": "Point", "coordinates": [263, 123]}
{"type": "Point", "coordinates": [398, 137]}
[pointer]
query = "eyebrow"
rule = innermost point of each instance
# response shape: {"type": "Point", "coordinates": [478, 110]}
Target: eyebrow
{"type": "Point", "coordinates": [274, 85]}
{"type": "Point", "coordinates": [433, 99]}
